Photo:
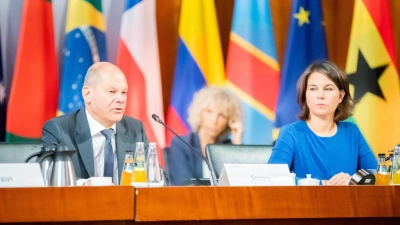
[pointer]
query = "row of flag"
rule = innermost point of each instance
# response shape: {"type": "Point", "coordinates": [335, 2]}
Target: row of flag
{"type": "Point", "coordinates": [267, 90]}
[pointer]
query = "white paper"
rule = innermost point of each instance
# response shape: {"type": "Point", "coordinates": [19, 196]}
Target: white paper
{"type": "Point", "coordinates": [256, 175]}
{"type": "Point", "coordinates": [20, 175]}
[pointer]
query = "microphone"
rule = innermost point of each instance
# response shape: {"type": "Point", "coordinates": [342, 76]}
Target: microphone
{"type": "Point", "coordinates": [213, 178]}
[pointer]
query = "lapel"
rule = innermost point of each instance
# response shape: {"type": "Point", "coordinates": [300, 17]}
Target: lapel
{"type": "Point", "coordinates": [122, 144]}
{"type": "Point", "coordinates": [84, 141]}
{"type": "Point", "coordinates": [195, 142]}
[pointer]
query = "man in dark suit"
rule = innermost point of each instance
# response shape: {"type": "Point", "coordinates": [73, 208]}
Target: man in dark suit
{"type": "Point", "coordinates": [98, 154]}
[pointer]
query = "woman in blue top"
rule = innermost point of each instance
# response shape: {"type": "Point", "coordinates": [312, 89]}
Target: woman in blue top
{"type": "Point", "coordinates": [321, 144]}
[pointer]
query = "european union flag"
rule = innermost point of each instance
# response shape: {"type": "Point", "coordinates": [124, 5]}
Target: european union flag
{"type": "Point", "coordinates": [306, 43]}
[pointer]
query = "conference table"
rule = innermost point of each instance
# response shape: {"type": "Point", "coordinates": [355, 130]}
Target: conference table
{"type": "Point", "coordinates": [202, 205]}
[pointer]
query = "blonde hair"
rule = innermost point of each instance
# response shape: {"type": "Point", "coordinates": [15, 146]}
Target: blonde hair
{"type": "Point", "coordinates": [226, 100]}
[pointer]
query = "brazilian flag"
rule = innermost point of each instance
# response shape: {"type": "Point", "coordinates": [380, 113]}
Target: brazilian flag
{"type": "Point", "coordinates": [85, 44]}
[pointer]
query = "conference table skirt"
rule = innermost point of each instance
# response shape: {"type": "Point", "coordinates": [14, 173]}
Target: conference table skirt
{"type": "Point", "coordinates": [208, 205]}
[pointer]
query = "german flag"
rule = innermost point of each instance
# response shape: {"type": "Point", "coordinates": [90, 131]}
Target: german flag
{"type": "Point", "coordinates": [373, 74]}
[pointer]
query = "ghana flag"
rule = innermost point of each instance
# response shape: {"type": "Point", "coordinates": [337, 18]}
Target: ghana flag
{"type": "Point", "coordinates": [373, 74]}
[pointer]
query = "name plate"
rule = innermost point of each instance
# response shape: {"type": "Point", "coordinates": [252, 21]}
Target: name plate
{"type": "Point", "coordinates": [256, 175]}
{"type": "Point", "coordinates": [20, 175]}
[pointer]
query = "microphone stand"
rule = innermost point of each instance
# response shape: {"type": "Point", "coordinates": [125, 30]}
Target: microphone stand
{"type": "Point", "coordinates": [213, 177]}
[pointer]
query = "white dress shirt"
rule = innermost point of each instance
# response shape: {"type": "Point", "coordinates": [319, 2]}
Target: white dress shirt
{"type": "Point", "coordinates": [98, 141]}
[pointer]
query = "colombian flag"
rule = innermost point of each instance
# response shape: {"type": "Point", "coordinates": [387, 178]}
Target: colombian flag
{"type": "Point", "coordinates": [252, 68]}
{"type": "Point", "coordinates": [138, 58]}
{"type": "Point", "coordinates": [199, 60]}
{"type": "Point", "coordinates": [85, 44]}
{"type": "Point", "coordinates": [34, 89]}
{"type": "Point", "coordinates": [373, 74]}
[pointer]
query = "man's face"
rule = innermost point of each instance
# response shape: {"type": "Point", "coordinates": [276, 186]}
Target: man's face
{"type": "Point", "coordinates": [106, 100]}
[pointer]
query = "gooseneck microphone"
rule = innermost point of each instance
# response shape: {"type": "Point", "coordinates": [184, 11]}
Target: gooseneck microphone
{"type": "Point", "coordinates": [213, 178]}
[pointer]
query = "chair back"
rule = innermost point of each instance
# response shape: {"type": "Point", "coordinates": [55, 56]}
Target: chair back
{"type": "Point", "coordinates": [220, 154]}
{"type": "Point", "coordinates": [18, 152]}
{"type": "Point", "coordinates": [166, 168]}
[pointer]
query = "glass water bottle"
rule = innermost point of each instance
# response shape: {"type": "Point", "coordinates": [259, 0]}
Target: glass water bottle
{"type": "Point", "coordinates": [139, 175]}
{"type": "Point", "coordinates": [126, 175]}
{"type": "Point", "coordinates": [396, 166]}
{"type": "Point", "coordinates": [153, 168]}
{"type": "Point", "coordinates": [382, 176]}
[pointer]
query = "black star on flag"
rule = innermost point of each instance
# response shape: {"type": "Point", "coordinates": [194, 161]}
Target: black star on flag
{"type": "Point", "coordinates": [365, 79]}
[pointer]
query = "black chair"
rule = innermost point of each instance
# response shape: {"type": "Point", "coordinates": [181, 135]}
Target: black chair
{"type": "Point", "coordinates": [189, 182]}
{"type": "Point", "coordinates": [166, 169]}
{"type": "Point", "coordinates": [18, 152]}
{"type": "Point", "coordinates": [219, 154]}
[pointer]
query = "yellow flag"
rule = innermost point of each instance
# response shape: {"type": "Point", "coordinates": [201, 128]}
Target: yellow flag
{"type": "Point", "coordinates": [373, 74]}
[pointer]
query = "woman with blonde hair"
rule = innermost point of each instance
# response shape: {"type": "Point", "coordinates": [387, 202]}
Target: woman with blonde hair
{"type": "Point", "coordinates": [214, 114]}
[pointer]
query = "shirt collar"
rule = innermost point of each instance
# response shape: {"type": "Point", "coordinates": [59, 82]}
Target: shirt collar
{"type": "Point", "coordinates": [95, 126]}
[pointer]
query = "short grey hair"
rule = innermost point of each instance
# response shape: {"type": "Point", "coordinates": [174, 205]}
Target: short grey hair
{"type": "Point", "coordinates": [225, 99]}
{"type": "Point", "coordinates": [96, 72]}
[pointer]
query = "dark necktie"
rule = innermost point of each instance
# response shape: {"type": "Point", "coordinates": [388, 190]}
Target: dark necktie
{"type": "Point", "coordinates": [108, 154]}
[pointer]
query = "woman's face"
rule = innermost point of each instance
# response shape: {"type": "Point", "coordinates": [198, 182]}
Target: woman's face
{"type": "Point", "coordinates": [213, 120]}
{"type": "Point", "coordinates": [322, 96]}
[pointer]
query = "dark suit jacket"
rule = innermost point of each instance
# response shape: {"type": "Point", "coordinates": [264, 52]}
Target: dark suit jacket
{"type": "Point", "coordinates": [73, 130]}
{"type": "Point", "coordinates": [183, 162]}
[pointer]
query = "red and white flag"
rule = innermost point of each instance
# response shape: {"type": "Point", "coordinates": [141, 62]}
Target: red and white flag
{"type": "Point", "coordinates": [138, 58]}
